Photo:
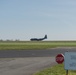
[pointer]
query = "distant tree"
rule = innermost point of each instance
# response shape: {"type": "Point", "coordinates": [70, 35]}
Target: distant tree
{"type": "Point", "coordinates": [7, 40]}
{"type": "Point", "coordinates": [1, 40]}
{"type": "Point", "coordinates": [17, 40]}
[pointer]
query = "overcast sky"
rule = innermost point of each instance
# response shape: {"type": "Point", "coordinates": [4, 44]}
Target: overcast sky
{"type": "Point", "coordinates": [25, 19]}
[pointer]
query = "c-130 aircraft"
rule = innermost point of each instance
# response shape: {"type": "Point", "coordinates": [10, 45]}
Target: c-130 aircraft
{"type": "Point", "coordinates": [38, 39]}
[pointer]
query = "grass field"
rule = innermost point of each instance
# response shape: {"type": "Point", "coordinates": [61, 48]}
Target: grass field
{"type": "Point", "coordinates": [23, 45]}
{"type": "Point", "coordinates": [55, 70]}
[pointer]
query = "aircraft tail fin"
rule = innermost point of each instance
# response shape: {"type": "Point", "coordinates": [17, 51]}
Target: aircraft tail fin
{"type": "Point", "coordinates": [45, 37]}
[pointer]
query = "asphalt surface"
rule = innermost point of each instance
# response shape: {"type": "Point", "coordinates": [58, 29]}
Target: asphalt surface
{"type": "Point", "coordinates": [27, 62]}
{"type": "Point", "coordinates": [34, 53]}
{"type": "Point", "coordinates": [25, 66]}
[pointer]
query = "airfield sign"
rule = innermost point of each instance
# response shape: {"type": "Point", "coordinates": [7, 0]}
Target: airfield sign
{"type": "Point", "coordinates": [70, 61]}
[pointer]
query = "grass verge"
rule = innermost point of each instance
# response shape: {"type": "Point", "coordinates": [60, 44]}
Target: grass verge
{"type": "Point", "coordinates": [55, 70]}
{"type": "Point", "coordinates": [26, 45]}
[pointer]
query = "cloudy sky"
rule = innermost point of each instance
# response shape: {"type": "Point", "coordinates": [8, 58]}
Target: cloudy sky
{"type": "Point", "coordinates": [25, 19]}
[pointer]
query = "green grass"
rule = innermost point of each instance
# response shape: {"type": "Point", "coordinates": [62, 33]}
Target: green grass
{"type": "Point", "coordinates": [26, 45]}
{"type": "Point", "coordinates": [55, 70]}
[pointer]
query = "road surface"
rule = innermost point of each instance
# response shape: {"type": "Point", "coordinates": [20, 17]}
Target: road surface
{"type": "Point", "coordinates": [27, 62]}
{"type": "Point", "coordinates": [33, 53]}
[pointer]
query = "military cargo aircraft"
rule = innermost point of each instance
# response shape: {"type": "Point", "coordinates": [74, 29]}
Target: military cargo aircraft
{"type": "Point", "coordinates": [38, 39]}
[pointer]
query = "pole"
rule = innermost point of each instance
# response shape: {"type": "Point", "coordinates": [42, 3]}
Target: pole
{"type": "Point", "coordinates": [66, 72]}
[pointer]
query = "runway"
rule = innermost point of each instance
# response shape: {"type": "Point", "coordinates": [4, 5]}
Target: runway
{"type": "Point", "coordinates": [28, 62]}
{"type": "Point", "coordinates": [33, 53]}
